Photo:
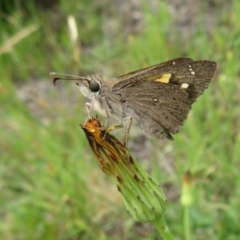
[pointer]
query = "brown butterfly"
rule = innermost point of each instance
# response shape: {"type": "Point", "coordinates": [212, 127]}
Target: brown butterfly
{"type": "Point", "coordinates": [158, 97]}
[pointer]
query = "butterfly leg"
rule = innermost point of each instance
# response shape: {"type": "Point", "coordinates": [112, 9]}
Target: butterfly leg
{"type": "Point", "coordinates": [89, 107]}
{"type": "Point", "coordinates": [106, 109]}
{"type": "Point", "coordinates": [113, 127]}
{"type": "Point", "coordinates": [127, 124]}
{"type": "Point", "coordinates": [127, 121]}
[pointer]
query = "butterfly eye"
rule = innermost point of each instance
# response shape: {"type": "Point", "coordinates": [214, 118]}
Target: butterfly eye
{"type": "Point", "coordinates": [94, 86]}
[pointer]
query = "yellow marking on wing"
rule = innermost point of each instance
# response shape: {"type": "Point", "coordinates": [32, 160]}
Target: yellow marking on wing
{"type": "Point", "coordinates": [164, 78]}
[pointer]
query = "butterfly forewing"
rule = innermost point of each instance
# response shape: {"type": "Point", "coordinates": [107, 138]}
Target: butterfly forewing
{"type": "Point", "coordinates": [160, 97]}
{"type": "Point", "coordinates": [203, 74]}
{"type": "Point", "coordinates": [157, 69]}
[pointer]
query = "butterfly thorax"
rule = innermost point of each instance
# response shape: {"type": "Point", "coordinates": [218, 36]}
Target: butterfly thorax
{"type": "Point", "coordinates": [108, 102]}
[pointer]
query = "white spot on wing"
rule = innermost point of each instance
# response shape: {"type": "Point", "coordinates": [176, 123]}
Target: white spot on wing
{"type": "Point", "coordinates": [184, 85]}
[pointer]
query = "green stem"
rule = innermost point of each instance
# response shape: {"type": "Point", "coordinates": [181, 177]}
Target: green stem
{"type": "Point", "coordinates": [162, 228]}
{"type": "Point", "coordinates": [186, 222]}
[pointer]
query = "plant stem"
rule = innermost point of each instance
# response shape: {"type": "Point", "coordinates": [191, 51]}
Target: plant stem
{"type": "Point", "coordinates": [186, 222]}
{"type": "Point", "coordinates": [162, 228]}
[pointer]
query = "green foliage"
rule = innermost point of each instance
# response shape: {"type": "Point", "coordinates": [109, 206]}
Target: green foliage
{"type": "Point", "coordinates": [51, 187]}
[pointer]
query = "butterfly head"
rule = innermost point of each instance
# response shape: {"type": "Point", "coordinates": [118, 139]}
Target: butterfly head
{"type": "Point", "coordinates": [90, 86]}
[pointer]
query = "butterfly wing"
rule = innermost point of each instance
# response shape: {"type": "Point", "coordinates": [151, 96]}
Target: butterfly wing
{"type": "Point", "coordinates": [157, 69]}
{"type": "Point", "coordinates": [160, 98]}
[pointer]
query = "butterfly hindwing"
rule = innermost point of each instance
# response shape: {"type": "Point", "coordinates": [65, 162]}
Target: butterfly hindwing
{"type": "Point", "coordinates": [160, 110]}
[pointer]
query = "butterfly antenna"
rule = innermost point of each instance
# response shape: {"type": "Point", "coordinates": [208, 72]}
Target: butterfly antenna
{"type": "Point", "coordinates": [63, 76]}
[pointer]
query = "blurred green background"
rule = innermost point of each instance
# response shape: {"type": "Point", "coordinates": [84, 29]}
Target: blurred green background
{"type": "Point", "coordinates": [51, 185]}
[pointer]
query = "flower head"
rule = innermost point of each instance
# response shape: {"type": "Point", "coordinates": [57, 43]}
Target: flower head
{"type": "Point", "coordinates": [143, 197]}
